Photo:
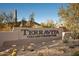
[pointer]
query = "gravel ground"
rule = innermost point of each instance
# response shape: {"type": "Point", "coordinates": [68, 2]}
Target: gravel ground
{"type": "Point", "coordinates": [50, 48]}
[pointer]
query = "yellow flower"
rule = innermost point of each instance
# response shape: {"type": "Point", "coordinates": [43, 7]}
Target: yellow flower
{"type": "Point", "coordinates": [13, 54]}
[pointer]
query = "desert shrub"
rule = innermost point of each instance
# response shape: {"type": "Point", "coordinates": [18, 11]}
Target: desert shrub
{"type": "Point", "coordinates": [75, 35]}
{"type": "Point", "coordinates": [76, 53]}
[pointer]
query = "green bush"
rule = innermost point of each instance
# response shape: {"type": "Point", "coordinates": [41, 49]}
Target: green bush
{"type": "Point", "coordinates": [76, 53]}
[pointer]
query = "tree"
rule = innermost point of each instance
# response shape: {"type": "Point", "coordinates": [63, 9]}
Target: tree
{"type": "Point", "coordinates": [23, 22]}
{"type": "Point", "coordinates": [1, 19]}
{"type": "Point", "coordinates": [48, 24]}
{"type": "Point", "coordinates": [31, 20]}
{"type": "Point", "coordinates": [6, 20]}
{"type": "Point", "coordinates": [31, 17]}
{"type": "Point", "coordinates": [70, 16]}
{"type": "Point", "coordinates": [44, 25]}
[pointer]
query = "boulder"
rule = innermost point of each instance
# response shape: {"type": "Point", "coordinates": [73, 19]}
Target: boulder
{"type": "Point", "coordinates": [30, 48]}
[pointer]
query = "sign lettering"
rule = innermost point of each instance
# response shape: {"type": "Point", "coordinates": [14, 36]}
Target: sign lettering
{"type": "Point", "coordinates": [39, 33]}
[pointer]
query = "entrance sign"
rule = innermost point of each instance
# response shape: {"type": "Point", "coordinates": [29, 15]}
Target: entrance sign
{"type": "Point", "coordinates": [26, 33]}
{"type": "Point", "coordinates": [31, 34]}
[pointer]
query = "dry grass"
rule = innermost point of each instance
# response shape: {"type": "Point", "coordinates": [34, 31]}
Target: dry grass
{"type": "Point", "coordinates": [5, 27]}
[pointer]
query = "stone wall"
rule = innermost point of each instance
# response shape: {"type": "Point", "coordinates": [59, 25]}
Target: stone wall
{"type": "Point", "coordinates": [8, 36]}
{"type": "Point", "coordinates": [17, 37]}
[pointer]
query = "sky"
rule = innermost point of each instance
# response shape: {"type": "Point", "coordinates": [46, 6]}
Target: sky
{"type": "Point", "coordinates": [42, 11]}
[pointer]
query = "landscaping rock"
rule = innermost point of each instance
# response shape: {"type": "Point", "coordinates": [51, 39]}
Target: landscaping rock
{"type": "Point", "coordinates": [30, 48]}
